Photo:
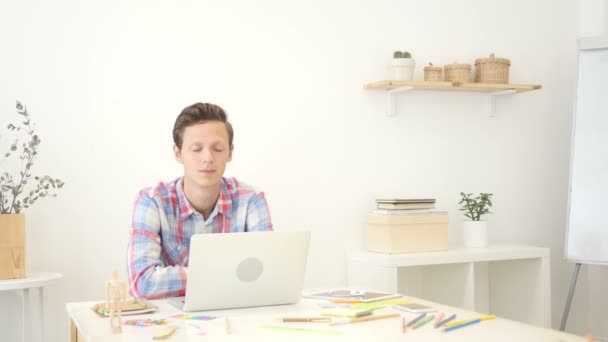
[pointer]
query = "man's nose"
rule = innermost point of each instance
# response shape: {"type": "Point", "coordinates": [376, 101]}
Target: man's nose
{"type": "Point", "coordinates": [207, 156]}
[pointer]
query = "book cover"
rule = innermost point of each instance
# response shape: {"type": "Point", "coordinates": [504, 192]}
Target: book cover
{"type": "Point", "coordinates": [383, 205]}
{"type": "Point", "coordinates": [362, 296]}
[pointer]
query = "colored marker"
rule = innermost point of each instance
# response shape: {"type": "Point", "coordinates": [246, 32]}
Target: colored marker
{"type": "Point", "coordinates": [439, 318]}
{"type": "Point", "coordinates": [445, 321]}
{"type": "Point", "coordinates": [403, 325]}
{"type": "Point", "coordinates": [454, 327]}
{"type": "Point", "coordinates": [424, 321]}
{"type": "Point", "coordinates": [416, 319]}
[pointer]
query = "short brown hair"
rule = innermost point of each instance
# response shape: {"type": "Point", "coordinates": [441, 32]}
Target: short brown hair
{"type": "Point", "coordinates": [199, 113]}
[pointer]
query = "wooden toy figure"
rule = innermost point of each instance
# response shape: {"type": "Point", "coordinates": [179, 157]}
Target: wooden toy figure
{"type": "Point", "coordinates": [116, 293]}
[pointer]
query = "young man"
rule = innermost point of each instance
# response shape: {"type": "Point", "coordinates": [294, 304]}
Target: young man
{"type": "Point", "coordinates": [202, 201]}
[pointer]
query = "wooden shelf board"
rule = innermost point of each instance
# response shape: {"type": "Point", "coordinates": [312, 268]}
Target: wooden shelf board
{"type": "Point", "coordinates": [452, 86]}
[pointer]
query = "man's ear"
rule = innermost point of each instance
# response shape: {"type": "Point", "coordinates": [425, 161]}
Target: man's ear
{"type": "Point", "coordinates": [230, 155]}
{"type": "Point", "coordinates": [178, 154]}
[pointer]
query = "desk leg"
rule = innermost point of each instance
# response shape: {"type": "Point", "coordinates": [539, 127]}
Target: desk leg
{"type": "Point", "coordinates": [75, 336]}
{"type": "Point", "coordinates": [73, 332]}
{"type": "Point", "coordinates": [41, 314]}
{"type": "Point", "coordinates": [27, 326]}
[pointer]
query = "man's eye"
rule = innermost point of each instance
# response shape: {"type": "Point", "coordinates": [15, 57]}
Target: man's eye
{"type": "Point", "coordinates": [218, 149]}
{"type": "Point", "coordinates": [197, 149]}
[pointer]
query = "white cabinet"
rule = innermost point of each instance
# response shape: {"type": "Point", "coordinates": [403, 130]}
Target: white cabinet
{"type": "Point", "coordinates": [509, 281]}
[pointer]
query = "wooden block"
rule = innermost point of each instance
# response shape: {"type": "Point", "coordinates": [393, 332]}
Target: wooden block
{"type": "Point", "coordinates": [12, 246]}
{"type": "Point", "coordinates": [407, 238]}
{"type": "Point", "coordinates": [407, 219]}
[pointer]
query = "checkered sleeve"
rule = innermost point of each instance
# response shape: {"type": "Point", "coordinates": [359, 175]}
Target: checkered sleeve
{"type": "Point", "coordinates": [148, 276]}
{"type": "Point", "coordinates": [258, 214]}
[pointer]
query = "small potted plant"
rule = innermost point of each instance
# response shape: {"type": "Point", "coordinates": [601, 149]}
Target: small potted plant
{"type": "Point", "coordinates": [19, 191]}
{"type": "Point", "coordinates": [403, 66]}
{"type": "Point", "coordinates": [475, 229]}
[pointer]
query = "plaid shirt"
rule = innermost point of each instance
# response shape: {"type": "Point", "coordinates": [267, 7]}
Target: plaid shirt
{"type": "Point", "coordinates": [163, 223]}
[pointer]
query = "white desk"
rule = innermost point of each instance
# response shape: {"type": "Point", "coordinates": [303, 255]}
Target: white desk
{"type": "Point", "coordinates": [245, 323]}
{"type": "Point", "coordinates": [509, 281]}
{"type": "Point", "coordinates": [34, 280]}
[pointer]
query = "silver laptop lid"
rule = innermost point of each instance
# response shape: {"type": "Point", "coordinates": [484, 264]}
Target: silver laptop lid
{"type": "Point", "coordinates": [245, 269]}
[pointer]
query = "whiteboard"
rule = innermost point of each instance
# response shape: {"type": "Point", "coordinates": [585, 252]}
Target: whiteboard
{"type": "Point", "coordinates": [587, 223]}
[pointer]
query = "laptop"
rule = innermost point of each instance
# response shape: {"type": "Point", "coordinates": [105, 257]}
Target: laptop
{"type": "Point", "coordinates": [237, 270]}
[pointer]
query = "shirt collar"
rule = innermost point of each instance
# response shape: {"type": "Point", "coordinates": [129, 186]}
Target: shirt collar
{"type": "Point", "coordinates": [224, 202]}
{"type": "Point", "coordinates": [223, 205]}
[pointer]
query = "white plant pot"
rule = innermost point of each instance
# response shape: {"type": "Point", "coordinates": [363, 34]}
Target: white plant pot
{"type": "Point", "coordinates": [403, 69]}
{"type": "Point", "coordinates": [475, 233]}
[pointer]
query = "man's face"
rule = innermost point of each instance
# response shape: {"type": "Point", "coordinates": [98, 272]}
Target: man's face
{"type": "Point", "coordinates": [204, 153]}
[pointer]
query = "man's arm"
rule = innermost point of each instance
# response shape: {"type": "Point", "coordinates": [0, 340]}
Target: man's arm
{"type": "Point", "coordinates": [148, 276]}
{"type": "Point", "coordinates": [258, 214]}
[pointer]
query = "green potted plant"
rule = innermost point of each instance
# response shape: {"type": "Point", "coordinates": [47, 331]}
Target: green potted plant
{"type": "Point", "coordinates": [403, 66]}
{"type": "Point", "coordinates": [475, 230]}
{"type": "Point", "coordinates": [19, 190]}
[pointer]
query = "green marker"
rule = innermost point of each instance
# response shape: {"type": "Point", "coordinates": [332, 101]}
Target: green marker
{"type": "Point", "coordinates": [424, 321]}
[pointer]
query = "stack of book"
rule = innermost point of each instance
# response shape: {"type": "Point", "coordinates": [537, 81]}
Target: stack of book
{"type": "Point", "coordinates": [407, 225]}
{"type": "Point", "coordinates": [405, 204]}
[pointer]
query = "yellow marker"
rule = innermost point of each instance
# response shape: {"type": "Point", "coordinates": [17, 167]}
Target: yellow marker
{"type": "Point", "coordinates": [482, 318]}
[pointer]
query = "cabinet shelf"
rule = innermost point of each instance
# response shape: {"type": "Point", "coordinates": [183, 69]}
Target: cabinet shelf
{"type": "Point", "coordinates": [492, 89]}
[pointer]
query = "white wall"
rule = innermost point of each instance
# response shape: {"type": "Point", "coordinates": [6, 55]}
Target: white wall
{"type": "Point", "coordinates": [105, 81]}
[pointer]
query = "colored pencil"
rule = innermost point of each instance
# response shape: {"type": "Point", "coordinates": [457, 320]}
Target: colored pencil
{"type": "Point", "coordinates": [445, 321]}
{"type": "Point", "coordinates": [416, 319]}
{"type": "Point", "coordinates": [454, 327]}
{"type": "Point", "coordinates": [364, 319]}
{"type": "Point", "coordinates": [305, 319]}
{"type": "Point", "coordinates": [424, 321]}
{"type": "Point", "coordinates": [482, 318]}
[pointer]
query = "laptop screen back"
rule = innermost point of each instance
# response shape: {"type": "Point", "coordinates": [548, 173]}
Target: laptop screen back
{"type": "Point", "coordinates": [245, 269]}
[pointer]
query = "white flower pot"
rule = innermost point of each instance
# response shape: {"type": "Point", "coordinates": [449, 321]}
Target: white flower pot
{"type": "Point", "coordinates": [403, 69]}
{"type": "Point", "coordinates": [475, 233]}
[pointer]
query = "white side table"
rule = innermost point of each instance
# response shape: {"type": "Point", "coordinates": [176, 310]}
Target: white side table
{"type": "Point", "coordinates": [34, 280]}
{"type": "Point", "coordinates": [510, 281]}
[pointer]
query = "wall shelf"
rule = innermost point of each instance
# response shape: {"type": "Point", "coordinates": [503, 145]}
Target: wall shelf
{"type": "Point", "coordinates": [493, 90]}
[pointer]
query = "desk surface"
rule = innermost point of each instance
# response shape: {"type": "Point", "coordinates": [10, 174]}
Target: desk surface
{"type": "Point", "coordinates": [246, 323]}
{"type": "Point", "coordinates": [451, 256]}
{"type": "Point", "coordinates": [33, 279]}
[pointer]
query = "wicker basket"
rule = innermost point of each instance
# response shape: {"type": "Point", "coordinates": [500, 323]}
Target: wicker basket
{"type": "Point", "coordinates": [458, 73]}
{"type": "Point", "coordinates": [492, 70]}
{"type": "Point", "coordinates": [432, 73]}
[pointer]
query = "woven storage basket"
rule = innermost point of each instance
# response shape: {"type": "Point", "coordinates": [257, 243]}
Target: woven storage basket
{"type": "Point", "coordinates": [432, 73]}
{"type": "Point", "coordinates": [458, 73]}
{"type": "Point", "coordinates": [492, 70]}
